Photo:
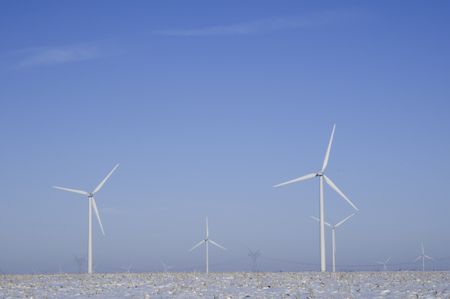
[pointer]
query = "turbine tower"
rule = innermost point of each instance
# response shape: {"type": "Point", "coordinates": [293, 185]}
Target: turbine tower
{"type": "Point", "coordinates": [206, 241]}
{"type": "Point", "coordinates": [384, 263]}
{"type": "Point", "coordinates": [424, 257]}
{"type": "Point", "coordinates": [333, 235]}
{"type": "Point", "coordinates": [321, 175]}
{"type": "Point", "coordinates": [92, 205]}
{"type": "Point", "coordinates": [254, 255]}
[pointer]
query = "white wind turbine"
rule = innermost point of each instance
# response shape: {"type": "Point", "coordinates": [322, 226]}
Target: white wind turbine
{"type": "Point", "coordinates": [127, 269]}
{"type": "Point", "coordinates": [92, 205]}
{"type": "Point", "coordinates": [333, 235]}
{"type": "Point", "coordinates": [322, 177]}
{"type": "Point", "coordinates": [166, 267]}
{"type": "Point", "coordinates": [384, 263]}
{"type": "Point", "coordinates": [207, 240]}
{"type": "Point", "coordinates": [424, 257]}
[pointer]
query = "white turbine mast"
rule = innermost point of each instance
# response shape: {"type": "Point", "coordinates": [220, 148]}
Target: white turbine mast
{"type": "Point", "coordinates": [423, 257]}
{"type": "Point", "coordinates": [92, 205]}
{"type": "Point", "coordinates": [322, 177]}
{"type": "Point", "coordinates": [333, 235]}
{"type": "Point", "coordinates": [206, 241]}
{"type": "Point", "coordinates": [384, 263]}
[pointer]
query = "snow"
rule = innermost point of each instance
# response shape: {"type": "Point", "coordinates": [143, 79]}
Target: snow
{"type": "Point", "coordinates": [229, 285]}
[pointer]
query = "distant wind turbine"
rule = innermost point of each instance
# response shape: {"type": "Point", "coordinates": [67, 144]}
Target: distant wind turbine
{"type": "Point", "coordinates": [424, 257]}
{"type": "Point", "coordinates": [384, 263]}
{"type": "Point", "coordinates": [333, 235]}
{"type": "Point", "coordinates": [206, 241]}
{"type": "Point", "coordinates": [127, 269]}
{"type": "Point", "coordinates": [92, 205]}
{"type": "Point", "coordinates": [166, 267]}
{"type": "Point", "coordinates": [254, 255]}
{"type": "Point", "coordinates": [322, 177]}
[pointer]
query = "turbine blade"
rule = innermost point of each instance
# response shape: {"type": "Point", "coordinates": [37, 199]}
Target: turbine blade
{"type": "Point", "coordinates": [98, 215]}
{"type": "Point", "coordinates": [387, 261]}
{"type": "Point", "coordinates": [207, 228]}
{"type": "Point", "coordinates": [345, 219]}
{"type": "Point", "coordinates": [428, 257]}
{"type": "Point", "coordinates": [318, 220]}
{"type": "Point", "coordinates": [302, 178]}
{"type": "Point", "coordinates": [423, 249]}
{"type": "Point", "coordinates": [333, 186]}
{"type": "Point", "coordinates": [72, 190]}
{"type": "Point", "coordinates": [198, 244]}
{"type": "Point", "coordinates": [327, 154]}
{"type": "Point", "coordinates": [418, 258]}
{"type": "Point", "coordinates": [105, 179]}
{"type": "Point", "coordinates": [214, 243]}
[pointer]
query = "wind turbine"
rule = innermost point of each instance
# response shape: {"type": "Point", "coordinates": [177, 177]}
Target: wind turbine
{"type": "Point", "coordinates": [423, 256]}
{"type": "Point", "coordinates": [127, 269]}
{"type": "Point", "coordinates": [207, 240]}
{"type": "Point", "coordinates": [254, 255]}
{"type": "Point", "coordinates": [92, 205]}
{"type": "Point", "coordinates": [333, 235]}
{"type": "Point", "coordinates": [322, 177]}
{"type": "Point", "coordinates": [384, 263]}
{"type": "Point", "coordinates": [166, 267]}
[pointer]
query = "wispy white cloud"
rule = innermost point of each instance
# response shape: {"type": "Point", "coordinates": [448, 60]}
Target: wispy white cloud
{"type": "Point", "coordinates": [40, 56]}
{"type": "Point", "coordinates": [261, 26]}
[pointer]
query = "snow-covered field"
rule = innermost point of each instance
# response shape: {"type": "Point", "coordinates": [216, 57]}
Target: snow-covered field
{"type": "Point", "coordinates": [229, 285]}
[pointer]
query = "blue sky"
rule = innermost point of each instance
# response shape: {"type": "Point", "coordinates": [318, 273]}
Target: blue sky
{"type": "Point", "coordinates": [206, 106]}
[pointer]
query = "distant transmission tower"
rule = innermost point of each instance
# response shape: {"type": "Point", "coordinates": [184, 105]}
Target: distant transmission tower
{"type": "Point", "coordinates": [80, 262]}
{"type": "Point", "coordinates": [254, 255]}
